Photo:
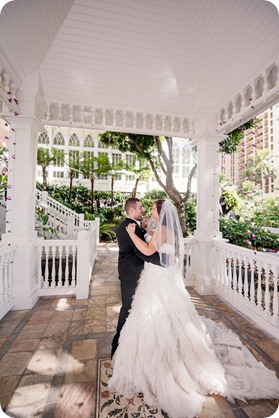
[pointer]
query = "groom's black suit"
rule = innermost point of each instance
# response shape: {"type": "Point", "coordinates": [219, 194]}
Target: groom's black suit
{"type": "Point", "coordinates": [130, 265]}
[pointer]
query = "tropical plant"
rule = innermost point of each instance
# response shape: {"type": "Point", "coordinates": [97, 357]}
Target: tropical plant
{"type": "Point", "coordinates": [266, 214]}
{"type": "Point", "coordinates": [228, 200]}
{"type": "Point", "coordinates": [230, 144]}
{"type": "Point", "coordinates": [45, 230]}
{"type": "Point", "coordinates": [93, 168]}
{"type": "Point", "coordinates": [74, 168]}
{"type": "Point", "coordinates": [107, 232]}
{"type": "Point", "coordinates": [46, 157]}
{"type": "Point", "coordinates": [263, 167]}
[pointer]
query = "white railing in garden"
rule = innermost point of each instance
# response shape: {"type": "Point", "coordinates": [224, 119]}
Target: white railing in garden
{"type": "Point", "coordinates": [65, 219]}
{"type": "Point", "coordinates": [65, 266]}
{"type": "Point", "coordinates": [6, 278]}
{"type": "Point", "coordinates": [190, 248]}
{"type": "Point", "coordinates": [248, 280]}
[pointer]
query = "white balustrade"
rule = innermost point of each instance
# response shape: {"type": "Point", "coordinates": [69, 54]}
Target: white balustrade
{"type": "Point", "coordinates": [65, 219]}
{"type": "Point", "coordinates": [189, 275]}
{"type": "Point", "coordinates": [248, 280]}
{"type": "Point", "coordinates": [6, 278]}
{"type": "Point", "coordinates": [65, 266]}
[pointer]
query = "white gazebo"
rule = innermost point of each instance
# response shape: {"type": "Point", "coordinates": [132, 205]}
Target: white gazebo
{"type": "Point", "coordinates": [183, 68]}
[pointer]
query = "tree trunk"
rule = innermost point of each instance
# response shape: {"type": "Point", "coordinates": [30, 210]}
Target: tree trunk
{"type": "Point", "coordinates": [92, 190]}
{"type": "Point", "coordinates": [44, 177]}
{"type": "Point", "coordinates": [71, 182]}
{"type": "Point", "coordinates": [112, 191]}
{"type": "Point", "coordinates": [134, 191]}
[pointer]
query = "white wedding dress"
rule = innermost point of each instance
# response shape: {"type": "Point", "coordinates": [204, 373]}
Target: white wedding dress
{"type": "Point", "coordinates": [175, 357]}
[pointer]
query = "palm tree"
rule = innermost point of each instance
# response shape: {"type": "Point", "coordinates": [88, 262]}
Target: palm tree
{"type": "Point", "coordinates": [74, 167]}
{"type": "Point", "coordinates": [92, 168]}
{"type": "Point", "coordinates": [263, 167]}
{"type": "Point", "coordinates": [46, 157]}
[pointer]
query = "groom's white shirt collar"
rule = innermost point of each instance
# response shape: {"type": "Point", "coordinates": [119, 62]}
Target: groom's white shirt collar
{"type": "Point", "coordinates": [138, 222]}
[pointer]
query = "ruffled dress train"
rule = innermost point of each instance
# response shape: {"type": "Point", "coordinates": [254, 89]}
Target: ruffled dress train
{"type": "Point", "coordinates": [175, 357]}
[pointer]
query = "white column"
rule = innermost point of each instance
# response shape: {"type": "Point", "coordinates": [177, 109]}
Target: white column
{"type": "Point", "coordinates": [208, 195]}
{"type": "Point", "coordinates": [20, 229]}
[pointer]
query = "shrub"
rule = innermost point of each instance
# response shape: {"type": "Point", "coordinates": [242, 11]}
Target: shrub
{"type": "Point", "coordinates": [249, 235]}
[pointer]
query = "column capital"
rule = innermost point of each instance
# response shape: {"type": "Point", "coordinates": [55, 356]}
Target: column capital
{"type": "Point", "coordinates": [208, 138]}
{"type": "Point", "coordinates": [21, 121]}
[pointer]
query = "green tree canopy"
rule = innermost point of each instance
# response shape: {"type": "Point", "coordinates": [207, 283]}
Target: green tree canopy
{"type": "Point", "coordinates": [160, 159]}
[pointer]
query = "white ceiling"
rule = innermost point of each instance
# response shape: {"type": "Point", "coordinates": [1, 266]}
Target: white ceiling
{"type": "Point", "coordinates": [169, 57]}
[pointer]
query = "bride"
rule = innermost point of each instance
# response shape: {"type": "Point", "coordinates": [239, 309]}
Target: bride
{"type": "Point", "coordinates": [167, 351]}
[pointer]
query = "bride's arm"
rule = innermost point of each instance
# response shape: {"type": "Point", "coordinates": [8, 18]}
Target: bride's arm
{"type": "Point", "coordinates": [142, 246]}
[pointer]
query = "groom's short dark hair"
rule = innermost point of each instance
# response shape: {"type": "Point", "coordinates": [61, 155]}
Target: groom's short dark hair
{"type": "Point", "coordinates": [131, 203]}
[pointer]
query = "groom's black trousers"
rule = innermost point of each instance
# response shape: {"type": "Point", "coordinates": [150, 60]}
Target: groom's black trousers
{"type": "Point", "coordinates": [127, 293]}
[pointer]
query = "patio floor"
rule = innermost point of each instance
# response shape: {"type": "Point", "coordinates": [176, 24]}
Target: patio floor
{"type": "Point", "coordinates": [48, 354]}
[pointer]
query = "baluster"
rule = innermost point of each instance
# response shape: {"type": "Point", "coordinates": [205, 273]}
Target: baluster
{"type": "Point", "coordinates": [144, 120]}
{"type": "Point", "coordinates": [73, 282]}
{"type": "Point", "coordinates": [224, 276]}
{"type": "Point", "coordinates": [239, 280]}
{"type": "Point", "coordinates": [67, 250]}
{"type": "Point", "coordinates": [265, 84]}
{"type": "Point", "coordinates": [259, 290]}
{"type": "Point", "coordinates": [6, 82]}
{"type": "Point", "coordinates": [60, 253]}
{"type": "Point", "coordinates": [267, 290]}
{"type": "Point", "coordinates": [229, 283]}
{"type": "Point", "coordinates": [221, 267]}
{"type": "Point", "coordinates": [71, 116]}
{"type": "Point", "coordinates": [252, 285]}
{"type": "Point", "coordinates": [275, 273]}
{"type": "Point", "coordinates": [48, 111]}
{"type": "Point", "coordinates": [59, 111]}
{"type": "Point", "coordinates": [234, 275]}
{"type": "Point", "coordinates": [53, 250]}
{"type": "Point", "coordinates": [245, 287]}
{"type": "Point", "coordinates": [46, 284]}
{"type": "Point", "coordinates": [40, 251]}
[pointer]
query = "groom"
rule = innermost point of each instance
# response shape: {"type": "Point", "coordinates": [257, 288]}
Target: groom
{"type": "Point", "coordinates": [130, 262]}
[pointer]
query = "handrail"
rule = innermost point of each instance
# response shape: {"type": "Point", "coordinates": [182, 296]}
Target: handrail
{"type": "Point", "coordinates": [44, 197]}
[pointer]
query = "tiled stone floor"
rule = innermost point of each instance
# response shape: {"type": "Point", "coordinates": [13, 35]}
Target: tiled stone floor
{"type": "Point", "coordinates": [48, 355]}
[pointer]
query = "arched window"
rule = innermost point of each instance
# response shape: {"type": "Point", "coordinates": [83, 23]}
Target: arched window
{"type": "Point", "coordinates": [43, 138]}
{"type": "Point", "coordinates": [74, 141]}
{"type": "Point", "coordinates": [176, 159]}
{"type": "Point", "coordinates": [58, 139]}
{"type": "Point", "coordinates": [89, 141]}
{"type": "Point", "coordinates": [102, 145]}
